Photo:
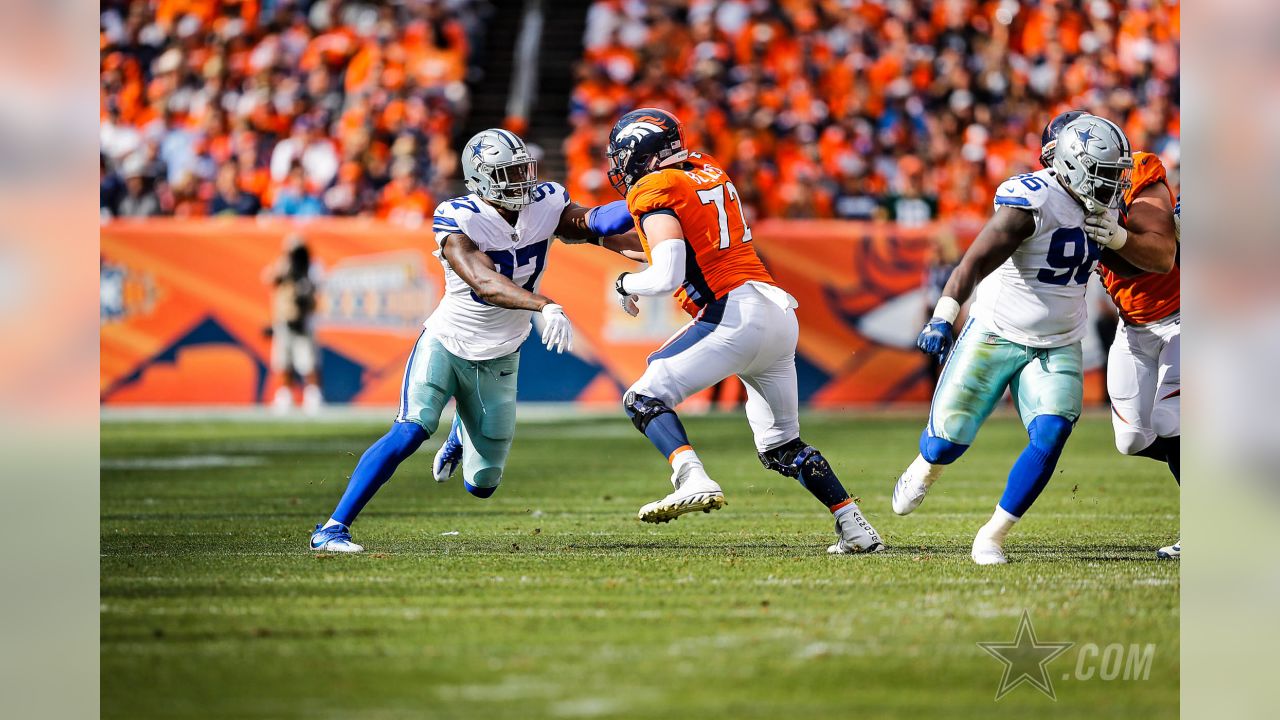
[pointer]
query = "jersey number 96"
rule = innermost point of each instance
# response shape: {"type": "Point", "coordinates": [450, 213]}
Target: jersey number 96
{"type": "Point", "coordinates": [1071, 258]}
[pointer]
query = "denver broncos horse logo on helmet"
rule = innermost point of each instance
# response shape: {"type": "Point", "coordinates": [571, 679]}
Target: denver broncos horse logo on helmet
{"type": "Point", "coordinates": [642, 141]}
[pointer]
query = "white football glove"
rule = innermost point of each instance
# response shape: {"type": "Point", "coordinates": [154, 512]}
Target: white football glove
{"type": "Point", "coordinates": [628, 303]}
{"type": "Point", "coordinates": [1104, 229]}
{"type": "Point", "coordinates": [557, 332]}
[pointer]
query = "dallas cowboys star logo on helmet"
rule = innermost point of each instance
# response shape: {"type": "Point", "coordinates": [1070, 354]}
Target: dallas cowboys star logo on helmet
{"type": "Point", "coordinates": [479, 148]}
{"type": "Point", "coordinates": [1084, 136]}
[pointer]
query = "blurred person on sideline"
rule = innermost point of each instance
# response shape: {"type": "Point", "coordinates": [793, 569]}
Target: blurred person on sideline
{"type": "Point", "coordinates": [293, 281]}
{"type": "Point", "coordinates": [293, 198]}
{"type": "Point", "coordinates": [139, 193]}
{"type": "Point", "coordinates": [228, 197]}
{"type": "Point", "coordinates": [111, 189]}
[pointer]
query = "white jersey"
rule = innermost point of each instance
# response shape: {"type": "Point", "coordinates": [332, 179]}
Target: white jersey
{"type": "Point", "coordinates": [1037, 297]}
{"type": "Point", "coordinates": [465, 325]}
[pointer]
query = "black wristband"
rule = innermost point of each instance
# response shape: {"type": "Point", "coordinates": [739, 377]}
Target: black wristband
{"type": "Point", "coordinates": [617, 285]}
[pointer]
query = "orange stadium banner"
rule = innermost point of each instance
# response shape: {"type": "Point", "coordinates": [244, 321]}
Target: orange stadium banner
{"type": "Point", "coordinates": [185, 311]}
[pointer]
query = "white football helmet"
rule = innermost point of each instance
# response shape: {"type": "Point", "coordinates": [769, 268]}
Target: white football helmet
{"type": "Point", "coordinates": [497, 166]}
{"type": "Point", "coordinates": [1093, 160]}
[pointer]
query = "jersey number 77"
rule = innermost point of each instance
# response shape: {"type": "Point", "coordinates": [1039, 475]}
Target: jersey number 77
{"type": "Point", "coordinates": [720, 195]}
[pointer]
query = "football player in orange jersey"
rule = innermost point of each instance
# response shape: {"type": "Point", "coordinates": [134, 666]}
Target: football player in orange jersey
{"type": "Point", "coordinates": [1140, 272]}
{"type": "Point", "coordinates": [695, 236]}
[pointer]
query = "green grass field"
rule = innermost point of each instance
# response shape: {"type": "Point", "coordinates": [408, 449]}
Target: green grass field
{"type": "Point", "coordinates": [551, 600]}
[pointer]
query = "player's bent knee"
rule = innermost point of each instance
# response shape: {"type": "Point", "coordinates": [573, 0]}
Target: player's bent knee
{"type": "Point", "coordinates": [404, 438]}
{"type": "Point", "coordinates": [643, 409]}
{"type": "Point", "coordinates": [484, 482]}
{"type": "Point", "coordinates": [940, 451]}
{"type": "Point", "coordinates": [1167, 422]}
{"type": "Point", "coordinates": [1132, 443]}
{"type": "Point", "coordinates": [1049, 432]}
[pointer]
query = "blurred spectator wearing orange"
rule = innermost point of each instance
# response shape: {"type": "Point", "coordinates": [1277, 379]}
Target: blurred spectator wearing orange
{"type": "Point", "coordinates": [866, 110]}
{"type": "Point", "coordinates": [312, 102]}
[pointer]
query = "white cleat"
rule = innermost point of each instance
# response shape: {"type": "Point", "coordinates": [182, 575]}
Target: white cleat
{"type": "Point", "coordinates": [282, 401]}
{"type": "Point", "coordinates": [854, 535]}
{"type": "Point", "coordinates": [696, 492]}
{"type": "Point", "coordinates": [312, 400]}
{"type": "Point", "coordinates": [1173, 552]}
{"type": "Point", "coordinates": [908, 493]}
{"type": "Point", "coordinates": [986, 551]}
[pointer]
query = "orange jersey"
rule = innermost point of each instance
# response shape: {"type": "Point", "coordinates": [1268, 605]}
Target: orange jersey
{"type": "Point", "coordinates": [720, 257]}
{"type": "Point", "coordinates": [1146, 297]}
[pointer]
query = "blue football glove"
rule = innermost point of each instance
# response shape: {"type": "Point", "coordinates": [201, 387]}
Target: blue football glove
{"type": "Point", "coordinates": [611, 219]}
{"type": "Point", "coordinates": [936, 338]}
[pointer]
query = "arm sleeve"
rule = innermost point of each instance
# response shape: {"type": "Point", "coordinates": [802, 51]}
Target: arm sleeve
{"type": "Point", "coordinates": [663, 275]}
{"type": "Point", "coordinates": [610, 219]}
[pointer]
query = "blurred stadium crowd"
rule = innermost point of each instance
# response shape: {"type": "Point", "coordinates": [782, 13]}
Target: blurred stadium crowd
{"type": "Point", "coordinates": [281, 106]}
{"type": "Point", "coordinates": [901, 109]}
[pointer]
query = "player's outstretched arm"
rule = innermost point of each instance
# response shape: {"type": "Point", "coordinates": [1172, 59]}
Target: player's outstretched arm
{"type": "Point", "coordinates": [667, 259]}
{"type": "Point", "coordinates": [477, 270]}
{"type": "Point", "coordinates": [582, 224]}
{"type": "Point", "coordinates": [1002, 235]}
{"type": "Point", "coordinates": [609, 226]}
{"type": "Point", "coordinates": [1148, 240]}
{"type": "Point", "coordinates": [666, 263]}
{"type": "Point", "coordinates": [627, 245]}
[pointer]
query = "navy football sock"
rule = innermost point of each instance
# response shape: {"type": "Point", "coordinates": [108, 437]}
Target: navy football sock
{"type": "Point", "coordinates": [376, 466]}
{"type": "Point", "coordinates": [658, 422]}
{"type": "Point", "coordinates": [805, 463]}
{"type": "Point", "coordinates": [666, 432]}
{"type": "Point", "coordinates": [820, 480]}
{"type": "Point", "coordinates": [1034, 467]}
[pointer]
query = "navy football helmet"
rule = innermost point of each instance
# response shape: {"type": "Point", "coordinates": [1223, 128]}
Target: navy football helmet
{"type": "Point", "coordinates": [642, 141]}
{"type": "Point", "coordinates": [1049, 138]}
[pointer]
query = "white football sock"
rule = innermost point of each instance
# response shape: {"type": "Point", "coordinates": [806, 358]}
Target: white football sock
{"type": "Point", "coordinates": [682, 458]}
{"type": "Point", "coordinates": [925, 471]}
{"type": "Point", "coordinates": [683, 465]}
{"type": "Point", "coordinates": [330, 524]}
{"type": "Point", "coordinates": [999, 525]}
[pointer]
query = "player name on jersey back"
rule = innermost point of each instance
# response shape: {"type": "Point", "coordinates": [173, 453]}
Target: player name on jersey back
{"type": "Point", "coordinates": [1037, 296]}
{"type": "Point", "coordinates": [466, 325]}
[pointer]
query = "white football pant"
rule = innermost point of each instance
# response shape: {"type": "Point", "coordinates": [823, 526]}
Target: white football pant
{"type": "Point", "coordinates": [1144, 380]}
{"type": "Point", "coordinates": [751, 333]}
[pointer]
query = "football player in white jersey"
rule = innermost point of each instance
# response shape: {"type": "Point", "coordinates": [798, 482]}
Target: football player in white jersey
{"type": "Point", "coordinates": [493, 245]}
{"type": "Point", "coordinates": [1030, 264]}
